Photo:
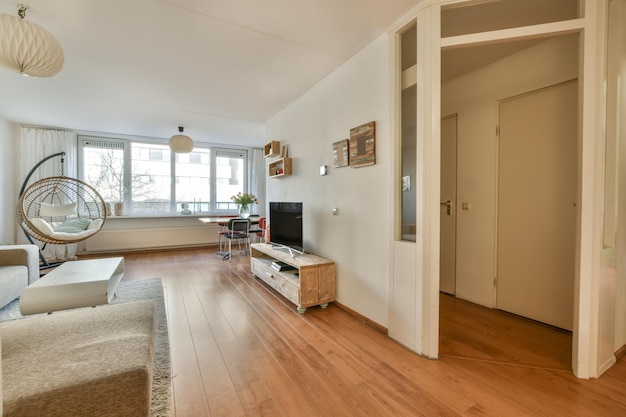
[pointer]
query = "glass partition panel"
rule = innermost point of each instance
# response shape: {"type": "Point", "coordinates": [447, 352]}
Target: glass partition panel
{"type": "Point", "coordinates": [484, 16]}
{"type": "Point", "coordinates": [615, 118]}
{"type": "Point", "coordinates": [409, 134]}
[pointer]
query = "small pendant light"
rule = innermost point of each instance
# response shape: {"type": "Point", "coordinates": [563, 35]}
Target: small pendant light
{"type": "Point", "coordinates": [181, 143]}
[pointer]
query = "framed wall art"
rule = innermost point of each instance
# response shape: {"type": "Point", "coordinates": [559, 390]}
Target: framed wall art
{"type": "Point", "coordinates": [363, 145]}
{"type": "Point", "coordinates": [341, 155]}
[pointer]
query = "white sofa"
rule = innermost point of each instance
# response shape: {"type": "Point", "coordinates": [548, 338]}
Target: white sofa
{"type": "Point", "coordinates": [19, 267]}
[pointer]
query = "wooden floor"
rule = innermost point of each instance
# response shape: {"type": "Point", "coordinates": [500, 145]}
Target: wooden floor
{"type": "Point", "coordinates": [470, 331]}
{"type": "Point", "coordinates": [239, 349]}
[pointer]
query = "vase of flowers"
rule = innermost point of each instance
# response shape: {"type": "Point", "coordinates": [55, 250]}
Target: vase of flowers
{"type": "Point", "coordinates": [244, 211]}
{"type": "Point", "coordinates": [244, 200]}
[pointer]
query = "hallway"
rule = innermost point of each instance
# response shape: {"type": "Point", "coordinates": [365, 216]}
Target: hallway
{"type": "Point", "coordinates": [471, 331]}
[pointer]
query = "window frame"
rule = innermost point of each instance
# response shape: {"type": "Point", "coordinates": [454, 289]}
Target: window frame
{"type": "Point", "coordinates": [126, 146]}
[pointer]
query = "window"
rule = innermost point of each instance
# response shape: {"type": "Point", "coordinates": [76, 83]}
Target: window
{"type": "Point", "coordinates": [229, 177]}
{"type": "Point", "coordinates": [148, 179]}
{"type": "Point", "coordinates": [103, 163]}
{"type": "Point", "coordinates": [151, 179]}
{"type": "Point", "coordinates": [193, 180]}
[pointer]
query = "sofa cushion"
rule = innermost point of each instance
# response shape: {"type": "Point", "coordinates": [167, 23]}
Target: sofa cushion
{"type": "Point", "coordinates": [13, 279]}
{"type": "Point", "coordinates": [48, 229]}
{"type": "Point", "coordinates": [85, 362]}
{"type": "Point", "coordinates": [73, 226]}
{"type": "Point", "coordinates": [57, 210]}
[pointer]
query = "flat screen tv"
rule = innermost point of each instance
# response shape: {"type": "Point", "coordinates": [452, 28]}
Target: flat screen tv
{"type": "Point", "coordinates": [286, 226]}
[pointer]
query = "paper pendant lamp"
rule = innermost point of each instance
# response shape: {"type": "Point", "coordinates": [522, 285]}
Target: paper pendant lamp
{"type": "Point", "coordinates": [28, 48]}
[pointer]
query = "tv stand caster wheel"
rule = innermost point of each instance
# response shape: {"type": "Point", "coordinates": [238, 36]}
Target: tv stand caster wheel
{"type": "Point", "coordinates": [301, 310]}
{"type": "Point", "coordinates": [324, 305]}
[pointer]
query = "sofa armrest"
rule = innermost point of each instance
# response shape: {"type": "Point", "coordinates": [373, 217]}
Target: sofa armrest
{"type": "Point", "coordinates": [27, 255]}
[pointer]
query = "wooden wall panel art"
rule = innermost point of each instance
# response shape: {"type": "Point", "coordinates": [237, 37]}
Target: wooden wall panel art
{"type": "Point", "coordinates": [363, 145]}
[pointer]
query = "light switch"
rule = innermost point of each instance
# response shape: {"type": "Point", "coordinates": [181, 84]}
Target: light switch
{"type": "Point", "coordinates": [323, 170]}
{"type": "Point", "coordinates": [335, 211]}
{"type": "Point", "coordinates": [466, 205]}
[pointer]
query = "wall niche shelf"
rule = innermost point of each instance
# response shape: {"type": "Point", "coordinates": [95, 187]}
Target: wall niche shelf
{"type": "Point", "coordinates": [280, 167]}
{"type": "Point", "coordinates": [271, 149]}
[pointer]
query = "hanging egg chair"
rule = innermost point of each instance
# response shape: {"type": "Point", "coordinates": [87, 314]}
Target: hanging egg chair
{"type": "Point", "coordinates": [59, 210]}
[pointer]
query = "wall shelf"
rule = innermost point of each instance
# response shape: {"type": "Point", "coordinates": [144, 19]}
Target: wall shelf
{"type": "Point", "coordinates": [280, 168]}
{"type": "Point", "coordinates": [271, 149]}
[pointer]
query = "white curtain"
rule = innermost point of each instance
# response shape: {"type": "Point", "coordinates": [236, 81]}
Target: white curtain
{"type": "Point", "coordinates": [36, 144]}
{"type": "Point", "coordinates": [257, 178]}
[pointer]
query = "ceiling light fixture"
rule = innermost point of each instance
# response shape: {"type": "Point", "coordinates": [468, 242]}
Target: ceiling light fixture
{"type": "Point", "coordinates": [181, 143]}
{"type": "Point", "coordinates": [28, 48]}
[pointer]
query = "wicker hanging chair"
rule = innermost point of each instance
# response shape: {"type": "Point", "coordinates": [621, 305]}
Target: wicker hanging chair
{"type": "Point", "coordinates": [60, 210]}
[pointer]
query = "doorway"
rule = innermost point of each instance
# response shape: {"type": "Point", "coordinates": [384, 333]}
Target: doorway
{"type": "Point", "coordinates": [478, 262]}
{"type": "Point", "coordinates": [435, 56]}
{"type": "Point", "coordinates": [537, 181]}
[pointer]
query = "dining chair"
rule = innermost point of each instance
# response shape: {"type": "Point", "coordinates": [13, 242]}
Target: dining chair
{"type": "Point", "coordinates": [259, 231]}
{"type": "Point", "coordinates": [239, 231]}
{"type": "Point", "coordinates": [222, 231]}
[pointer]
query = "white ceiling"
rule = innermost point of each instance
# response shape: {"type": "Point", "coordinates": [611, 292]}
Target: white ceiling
{"type": "Point", "coordinates": [220, 68]}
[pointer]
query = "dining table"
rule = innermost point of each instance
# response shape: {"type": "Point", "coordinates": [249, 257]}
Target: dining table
{"type": "Point", "coordinates": [222, 222]}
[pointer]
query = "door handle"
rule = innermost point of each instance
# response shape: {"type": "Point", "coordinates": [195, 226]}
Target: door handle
{"type": "Point", "coordinates": [448, 205]}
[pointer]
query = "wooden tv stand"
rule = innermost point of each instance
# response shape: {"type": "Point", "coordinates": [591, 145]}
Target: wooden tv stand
{"type": "Point", "coordinates": [311, 283]}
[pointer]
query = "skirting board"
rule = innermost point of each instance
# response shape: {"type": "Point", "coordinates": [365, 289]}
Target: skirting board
{"type": "Point", "coordinates": [363, 319]}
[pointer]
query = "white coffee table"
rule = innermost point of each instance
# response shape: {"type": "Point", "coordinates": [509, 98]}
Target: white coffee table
{"type": "Point", "coordinates": [73, 284]}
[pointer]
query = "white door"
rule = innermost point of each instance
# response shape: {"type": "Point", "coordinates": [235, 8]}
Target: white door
{"type": "Point", "coordinates": [537, 182]}
{"type": "Point", "coordinates": [447, 242]}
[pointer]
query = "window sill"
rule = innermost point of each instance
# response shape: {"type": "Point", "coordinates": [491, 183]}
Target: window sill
{"type": "Point", "coordinates": [167, 216]}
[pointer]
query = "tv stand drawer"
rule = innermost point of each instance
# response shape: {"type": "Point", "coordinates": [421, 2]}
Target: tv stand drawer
{"type": "Point", "coordinates": [275, 279]}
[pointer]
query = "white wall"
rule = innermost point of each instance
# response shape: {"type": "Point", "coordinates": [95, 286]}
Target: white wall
{"type": "Point", "coordinates": [474, 97]}
{"type": "Point", "coordinates": [356, 239]}
{"type": "Point", "coordinates": [8, 187]}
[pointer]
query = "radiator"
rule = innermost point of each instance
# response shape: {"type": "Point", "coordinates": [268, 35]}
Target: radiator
{"type": "Point", "coordinates": [166, 237]}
